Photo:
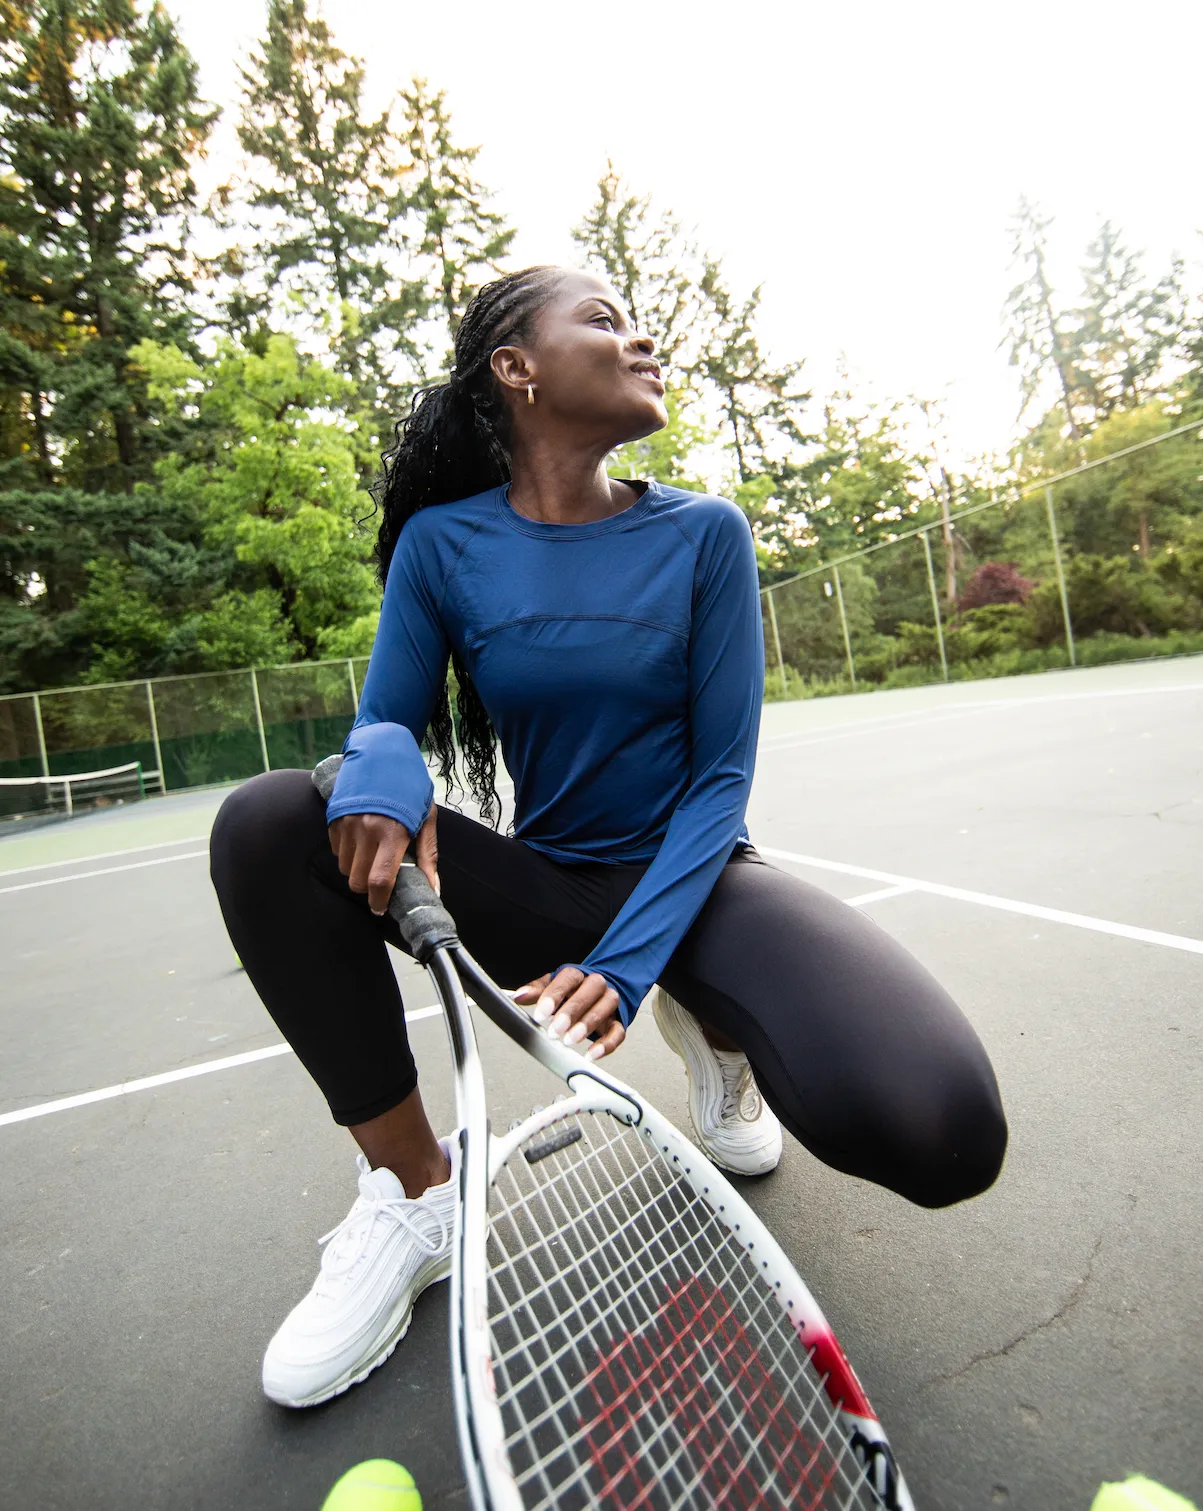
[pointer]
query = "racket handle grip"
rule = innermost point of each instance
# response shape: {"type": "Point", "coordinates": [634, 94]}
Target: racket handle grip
{"type": "Point", "coordinates": [424, 922]}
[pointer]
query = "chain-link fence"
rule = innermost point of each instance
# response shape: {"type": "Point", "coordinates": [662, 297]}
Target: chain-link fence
{"type": "Point", "coordinates": [186, 731]}
{"type": "Point", "coordinates": [1046, 577]}
{"type": "Point", "coordinates": [1103, 562]}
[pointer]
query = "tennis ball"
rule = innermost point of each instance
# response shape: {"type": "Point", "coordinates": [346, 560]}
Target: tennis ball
{"type": "Point", "coordinates": [374, 1485]}
{"type": "Point", "coordinates": [1139, 1494]}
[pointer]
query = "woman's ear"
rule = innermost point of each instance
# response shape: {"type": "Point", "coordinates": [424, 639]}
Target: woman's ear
{"type": "Point", "coordinates": [512, 368]}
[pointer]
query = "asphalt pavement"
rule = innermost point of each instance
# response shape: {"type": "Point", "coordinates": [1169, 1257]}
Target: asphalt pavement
{"type": "Point", "coordinates": [1035, 842]}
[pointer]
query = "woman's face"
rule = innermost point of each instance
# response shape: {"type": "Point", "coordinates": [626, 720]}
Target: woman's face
{"type": "Point", "coordinates": [594, 375]}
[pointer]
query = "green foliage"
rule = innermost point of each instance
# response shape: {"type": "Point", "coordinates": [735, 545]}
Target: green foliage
{"type": "Point", "coordinates": [461, 242]}
{"type": "Point", "coordinates": [99, 122]}
{"type": "Point", "coordinates": [326, 196]}
{"type": "Point", "coordinates": [184, 442]}
{"type": "Point", "coordinates": [667, 455]}
{"type": "Point", "coordinates": [652, 265]}
{"type": "Point", "coordinates": [280, 495]}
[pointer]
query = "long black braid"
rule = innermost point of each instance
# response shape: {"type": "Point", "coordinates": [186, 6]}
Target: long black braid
{"type": "Point", "coordinates": [455, 443]}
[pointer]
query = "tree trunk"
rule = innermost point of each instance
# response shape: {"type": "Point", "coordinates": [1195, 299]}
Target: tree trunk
{"type": "Point", "coordinates": [127, 446]}
{"type": "Point", "coordinates": [733, 416]}
{"type": "Point", "coordinates": [45, 463]}
{"type": "Point", "coordinates": [1143, 536]}
{"type": "Point", "coordinates": [1060, 361]}
{"type": "Point", "coordinates": [950, 548]}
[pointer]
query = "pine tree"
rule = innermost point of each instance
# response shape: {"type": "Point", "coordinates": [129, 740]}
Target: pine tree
{"type": "Point", "coordinates": [460, 241]}
{"type": "Point", "coordinates": [650, 262]}
{"type": "Point", "coordinates": [761, 403]}
{"type": "Point", "coordinates": [99, 125]}
{"type": "Point", "coordinates": [325, 187]}
{"type": "Point", "coordinates": [1040, 348]}
{"type": "Point", "coordinates": [1125, 326]}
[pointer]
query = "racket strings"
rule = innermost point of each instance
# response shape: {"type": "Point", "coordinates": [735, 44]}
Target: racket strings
{"type": "Point", "coordinates": [641, 1360]}
{"type": "Point", "coordinates": [699, 1368]}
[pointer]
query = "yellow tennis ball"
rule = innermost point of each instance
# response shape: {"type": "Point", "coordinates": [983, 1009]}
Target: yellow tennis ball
{"type": "Point", "coordinates": [374, 1485]}
{"type": "Point", "coordinates": [1139, 1494]}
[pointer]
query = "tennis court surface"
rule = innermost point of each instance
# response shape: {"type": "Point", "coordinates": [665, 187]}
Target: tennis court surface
{"type": "Point", "coordinates": [1036, 842]}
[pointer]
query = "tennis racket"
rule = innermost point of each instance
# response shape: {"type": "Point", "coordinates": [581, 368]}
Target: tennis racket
{"type": "Point", "coordinates": [626, 1333]}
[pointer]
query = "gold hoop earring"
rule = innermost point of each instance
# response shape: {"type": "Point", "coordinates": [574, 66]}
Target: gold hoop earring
{"type": "Point", "coordinates": [530, 393]}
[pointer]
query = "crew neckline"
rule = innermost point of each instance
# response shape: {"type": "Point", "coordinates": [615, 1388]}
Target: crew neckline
{"type": "Point", "coordinates": [546, 530]}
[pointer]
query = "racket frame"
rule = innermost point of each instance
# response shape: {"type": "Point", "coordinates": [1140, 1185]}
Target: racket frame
{"type": "Point", "coordinates": [491, 1482]}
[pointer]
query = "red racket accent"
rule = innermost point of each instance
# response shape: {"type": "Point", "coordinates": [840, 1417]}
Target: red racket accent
{"type": "Point", "coordinates": [696, 1367]}
{"type": "Point", "coordinates": [842, 1387]}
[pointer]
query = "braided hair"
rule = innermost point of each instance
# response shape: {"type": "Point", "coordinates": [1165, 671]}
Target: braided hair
{"type": "Point", "coordinates": [454, 443]}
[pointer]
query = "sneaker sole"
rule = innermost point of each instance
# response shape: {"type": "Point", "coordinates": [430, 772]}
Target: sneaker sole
{"type": "Point", "coordinates": [666, 1022]}
{"type": "Point", "coordinates": [358, 1373]}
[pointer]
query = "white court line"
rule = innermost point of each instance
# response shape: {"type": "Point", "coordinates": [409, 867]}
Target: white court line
{"type": "Point", "coordinates": [134, 865]}
{"type": "Point", "coordinates": [879, 896]}
{"type": "Point", "coordinates": [82, 860]}
{"type": "Point", "coordinates": [937, 715]}
{"type": "Point", "coordinates": [1003, 904]}
{"type": "Point", "coordinates": [768, 746]}
{"type": "Point", "coordinates": [148, 1083]}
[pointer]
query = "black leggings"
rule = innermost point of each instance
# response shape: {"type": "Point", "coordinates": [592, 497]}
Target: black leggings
{"type": "Point", "coordinates": [862, 1055]}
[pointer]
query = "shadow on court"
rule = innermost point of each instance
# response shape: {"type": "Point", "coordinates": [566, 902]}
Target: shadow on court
{"type": "Point", "coordinates": [1021, 1348]}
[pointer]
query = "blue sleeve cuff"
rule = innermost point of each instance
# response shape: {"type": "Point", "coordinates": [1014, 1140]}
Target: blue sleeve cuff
{"type": "Point", "coordinates": [383, 773]}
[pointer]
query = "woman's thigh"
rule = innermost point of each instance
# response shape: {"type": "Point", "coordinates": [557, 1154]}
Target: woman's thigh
{"type": "Point", "coordinates": [859, 1050]}
{"type": "Point", "coordinates": [519, 913]}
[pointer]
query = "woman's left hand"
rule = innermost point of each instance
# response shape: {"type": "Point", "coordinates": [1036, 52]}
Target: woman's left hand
{"type": "Point", "coordinates": [575, 1006]}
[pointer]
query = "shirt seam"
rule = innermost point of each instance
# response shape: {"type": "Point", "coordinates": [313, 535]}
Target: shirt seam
{"type": "Point", "coordinates": [477, 637]}
{"type": "Point", "coordinates": [456, 562]}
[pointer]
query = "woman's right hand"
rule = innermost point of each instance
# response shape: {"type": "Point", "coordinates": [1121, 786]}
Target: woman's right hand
{"type": "Point", "coordinates": [371, 847]}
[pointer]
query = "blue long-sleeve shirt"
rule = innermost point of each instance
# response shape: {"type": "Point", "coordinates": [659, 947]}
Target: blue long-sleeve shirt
{"type": "Point", "coordinates": [622, 665]}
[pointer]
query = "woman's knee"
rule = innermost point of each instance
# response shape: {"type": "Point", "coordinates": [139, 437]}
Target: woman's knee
{"type": "Point", "coordinates": [261, 824]}
{"type": "Point", "coordinates": [952, 1149]}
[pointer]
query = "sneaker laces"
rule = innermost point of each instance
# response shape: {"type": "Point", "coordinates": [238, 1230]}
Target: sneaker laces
{"type": "Point", "coordinates": [741, 1095]}
{"type": "Point", "coordinates": [349, 1241]}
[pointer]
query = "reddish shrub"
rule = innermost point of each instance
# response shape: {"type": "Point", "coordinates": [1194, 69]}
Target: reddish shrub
{"type": "Point", "coordinates": [994, 582]}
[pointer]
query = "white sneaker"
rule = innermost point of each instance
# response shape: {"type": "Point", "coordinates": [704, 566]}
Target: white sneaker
{"type": "Point", "coordinates": [729, 1117]}
{"type": "Point", "coordinates": [379, 1259]}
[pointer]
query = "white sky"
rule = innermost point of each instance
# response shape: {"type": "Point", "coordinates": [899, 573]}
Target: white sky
{"type": "Point", "coordinates": [862, 160]}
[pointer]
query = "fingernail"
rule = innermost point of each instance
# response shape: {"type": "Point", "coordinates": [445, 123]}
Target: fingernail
{"type": "Point", "coordinates": [378, 912]}
{"type": "Point", "coordinates": [575, 1035]}
{"type": "Point", "coordinates": [438, 886]}
{"type": "Point", "coordinates": [596, 1052]}
{"type": "Point", "coordinates": [558, 1025]}
{"type": "Point", "coordinates": [544, 1009]}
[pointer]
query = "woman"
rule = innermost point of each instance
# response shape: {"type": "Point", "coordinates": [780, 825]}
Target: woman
{"type": "Point", "coordinates": [609, 635]}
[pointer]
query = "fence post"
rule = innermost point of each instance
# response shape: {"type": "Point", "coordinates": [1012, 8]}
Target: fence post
{"type": "Point", "coordinates": [37, 719]}
{"type": "Point", "coordinates": [839, 598]}
{"type": "Point", "coordinates": [935, 602]}
{"type": "Point", "coordinates": [154, 734]}
{"type": "Point", "coordinates": [354, 689]}
{"type": "Point", "coordinates": [1052, 530]}
{"type": "Point", "coordinates": [768, 593]}
{"type": "Point", "coordinates": [267, 765]}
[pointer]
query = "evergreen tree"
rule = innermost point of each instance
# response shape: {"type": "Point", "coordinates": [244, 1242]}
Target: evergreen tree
{"type": "Point", "coordinates": [459, 241]}
{"type": "Point", "coordinates": [325, 187]}
{"type": "Point", "coordinates": [651, 264]}
{"type": "Point", "coordinates": [761, 403]}
{"type": "Point", "coordinates": [1125, 326]}
{"type": "Point", "coordinates": [1040, 348]}
{"type": "Point", "coordinates": [99, 124]}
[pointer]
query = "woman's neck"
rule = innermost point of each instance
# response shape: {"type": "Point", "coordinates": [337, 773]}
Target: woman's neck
{"type": "Point", "coordinates": [560, 487]}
